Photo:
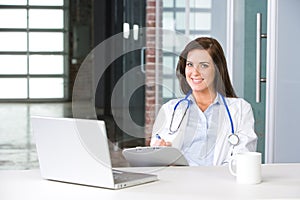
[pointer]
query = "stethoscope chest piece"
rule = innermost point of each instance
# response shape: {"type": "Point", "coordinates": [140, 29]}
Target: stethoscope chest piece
{"type": "Point", "coordinates": [233, 139]}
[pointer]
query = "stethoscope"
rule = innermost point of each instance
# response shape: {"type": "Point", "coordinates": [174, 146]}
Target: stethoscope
{"type": "Point", "coordinates": [233, 139]}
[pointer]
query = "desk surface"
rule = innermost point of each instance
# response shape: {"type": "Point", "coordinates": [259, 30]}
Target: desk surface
{"type": "Point", "coordinates": [280, 181]}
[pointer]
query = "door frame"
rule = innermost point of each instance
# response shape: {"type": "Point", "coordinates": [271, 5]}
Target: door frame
{"type": "Point", "coordinates": [235, 57]}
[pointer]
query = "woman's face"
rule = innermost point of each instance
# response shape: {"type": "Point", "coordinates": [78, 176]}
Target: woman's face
{"type": "Point", "coordinates": [200, 71]}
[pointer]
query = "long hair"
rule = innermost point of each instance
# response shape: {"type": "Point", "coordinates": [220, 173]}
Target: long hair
{"type": "Point", "coordinates": [222, 81]}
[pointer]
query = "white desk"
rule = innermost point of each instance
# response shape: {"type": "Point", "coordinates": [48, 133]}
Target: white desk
{"type": "Point", "coordinates": [280, 181]}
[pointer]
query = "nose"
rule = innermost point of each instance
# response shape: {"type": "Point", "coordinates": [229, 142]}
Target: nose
{"type": "Point", "coordinates": [195, 70]}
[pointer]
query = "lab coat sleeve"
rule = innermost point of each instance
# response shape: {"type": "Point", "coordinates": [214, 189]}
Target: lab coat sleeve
{"type": "Point", "coordinates": [162, 124]}
{"type": "Point", "coordinates": [245, 130]}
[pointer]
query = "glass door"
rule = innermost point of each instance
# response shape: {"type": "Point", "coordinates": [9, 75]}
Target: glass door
{"type": "Point", "coordinates": [133, 74]}
{"type": "Point", "coordinates": [249, 50]}
{"type": "Point", "coordinates": [119, 39]}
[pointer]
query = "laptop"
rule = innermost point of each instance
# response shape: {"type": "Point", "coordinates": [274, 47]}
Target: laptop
{"type": "Point", "coordinates": [76, 151]}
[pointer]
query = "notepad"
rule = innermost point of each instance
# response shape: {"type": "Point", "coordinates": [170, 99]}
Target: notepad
{"type": "Point", "coordinates": [154, 156]}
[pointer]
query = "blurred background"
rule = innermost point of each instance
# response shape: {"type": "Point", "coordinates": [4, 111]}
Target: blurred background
{"type": "Point", "coordinates": [43, 43]}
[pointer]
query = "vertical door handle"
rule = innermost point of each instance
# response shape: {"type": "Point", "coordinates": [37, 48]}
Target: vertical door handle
{"type": "Point", "coordinates": [259, 36]}
{"type": "Point", "coordinates": [143, 59]}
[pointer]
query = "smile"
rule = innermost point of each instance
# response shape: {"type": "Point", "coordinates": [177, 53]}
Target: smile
{"type": "Point", "coordinates": [197, 80]}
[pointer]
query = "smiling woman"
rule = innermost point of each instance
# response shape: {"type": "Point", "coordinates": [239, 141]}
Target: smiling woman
{"type": "Point", "coordinates": [215, 125]}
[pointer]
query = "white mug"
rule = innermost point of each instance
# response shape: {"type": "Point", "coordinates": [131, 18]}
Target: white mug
{"type": "Point", "coordinates": [248, 167]}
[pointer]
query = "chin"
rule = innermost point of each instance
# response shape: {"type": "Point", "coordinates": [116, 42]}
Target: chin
{"type": "Point", "coordinates": [197, 89]}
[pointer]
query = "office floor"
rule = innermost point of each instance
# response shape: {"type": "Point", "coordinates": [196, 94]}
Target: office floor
{"type": "Point", "coordinates": [17, 147]}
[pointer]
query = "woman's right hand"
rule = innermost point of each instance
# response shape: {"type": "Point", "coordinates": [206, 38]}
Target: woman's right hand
{"type": "Point", "coordinates": [161, 142]}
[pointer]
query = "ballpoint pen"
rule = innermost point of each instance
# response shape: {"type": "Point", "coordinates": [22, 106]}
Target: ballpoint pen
{"type": "Point", "coordinates": [158, 137]}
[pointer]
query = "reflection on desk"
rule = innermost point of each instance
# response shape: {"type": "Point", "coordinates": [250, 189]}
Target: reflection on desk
{"type": "Point", "coordinates": [280, 181]}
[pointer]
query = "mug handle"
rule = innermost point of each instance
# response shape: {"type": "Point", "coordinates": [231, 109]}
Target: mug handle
{"type": "Point", "coordinates": [230, 164]}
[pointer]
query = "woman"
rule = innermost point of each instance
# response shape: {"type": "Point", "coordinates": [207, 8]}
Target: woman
{"type": "Point", "coordinates": [201, 124]}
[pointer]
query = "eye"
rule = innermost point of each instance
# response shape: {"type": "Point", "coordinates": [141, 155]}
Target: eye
{"type": "Point", "coordinates": [204, 66]}
{"type": "Point", "coordinates": [188, 64]}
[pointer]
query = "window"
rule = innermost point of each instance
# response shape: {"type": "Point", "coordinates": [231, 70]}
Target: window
{"type": "Point", "coordinates": [33, 50]}
{"type": "Point", "coordinates": [175, 15]}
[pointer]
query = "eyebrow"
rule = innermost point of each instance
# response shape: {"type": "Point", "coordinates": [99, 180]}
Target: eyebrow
{"type": "Point", "coordinates": [204, 62]}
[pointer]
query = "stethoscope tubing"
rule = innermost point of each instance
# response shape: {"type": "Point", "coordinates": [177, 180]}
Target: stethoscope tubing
{"type": "Point", "coordinates": [229, 115]}
{"type": "Point", "coordinates": [188, 105]}
{"type": "Point", "coordinates": [185, 99]}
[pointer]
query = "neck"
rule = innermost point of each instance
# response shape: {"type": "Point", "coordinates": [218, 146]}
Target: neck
{"type": "Point", "coordinates": [204, 99]}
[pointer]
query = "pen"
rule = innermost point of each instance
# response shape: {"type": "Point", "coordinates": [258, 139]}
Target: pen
{"type": "Point", "coordinates": [158, 137]}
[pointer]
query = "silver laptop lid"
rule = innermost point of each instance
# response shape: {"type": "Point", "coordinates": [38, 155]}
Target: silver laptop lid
{"type": "Point", "coordinates": [73, 150]}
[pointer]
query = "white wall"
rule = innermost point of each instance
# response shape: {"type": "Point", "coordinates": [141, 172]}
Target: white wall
{"type": "Point", "coordinates": [283, 85]}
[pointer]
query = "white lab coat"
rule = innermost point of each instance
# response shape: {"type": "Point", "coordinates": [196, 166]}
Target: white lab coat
{"type": "Point", "coordinates": [243, 120]}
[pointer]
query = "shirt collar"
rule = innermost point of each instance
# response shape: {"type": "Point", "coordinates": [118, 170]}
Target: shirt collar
{"type": "Point", "coordinates": [217, 100]}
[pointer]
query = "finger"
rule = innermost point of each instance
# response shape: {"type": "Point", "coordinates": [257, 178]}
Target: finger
{"type": "Point", "coordinates": [168, 144]}
{"type": "Point", "coordinates": [160, 143]}
{"type": "Point", "coordinates": [157, 143]}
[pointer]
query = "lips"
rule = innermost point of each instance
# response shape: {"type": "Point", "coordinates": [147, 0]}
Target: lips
{"type": "Point", "coordinates": [197, 80]}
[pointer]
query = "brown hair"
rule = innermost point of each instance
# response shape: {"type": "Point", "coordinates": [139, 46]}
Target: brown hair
{"type": "Point", "coordinates": [212, 46]}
